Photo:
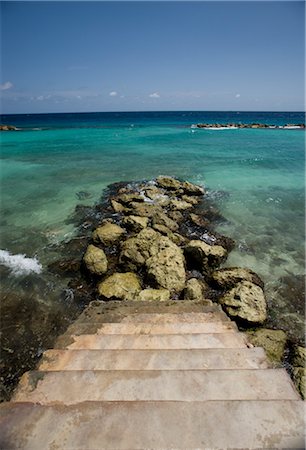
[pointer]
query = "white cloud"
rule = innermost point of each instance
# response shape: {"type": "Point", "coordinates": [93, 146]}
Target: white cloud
{"type": "Point", "coordinates": [154, 95]}
{"type": "Point", "coordinates": [113, 93]}
{"type": "Point", "coordinates": [6, 85]}
{"type": "Point", "coordinates": [237, 95]}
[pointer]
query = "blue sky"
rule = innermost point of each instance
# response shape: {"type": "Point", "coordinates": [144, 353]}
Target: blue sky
{"type": "Point", "coordinates": [140, 56]}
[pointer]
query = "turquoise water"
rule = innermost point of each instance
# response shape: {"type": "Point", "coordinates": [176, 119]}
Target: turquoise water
{"type": "Point", "coordinates": [260, 171]}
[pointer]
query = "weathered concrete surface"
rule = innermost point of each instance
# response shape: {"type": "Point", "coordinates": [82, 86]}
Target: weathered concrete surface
{"type": "Point", "coordinates": [195, 359]}
{"type": "Point", "coordinates": [177, 385]}
{"type": "Point", "coordinates": [167, 328]}
{"type": "Point", "coordinates": [168, 341]}
{"type": "Point", "coordinates": [155, 425]}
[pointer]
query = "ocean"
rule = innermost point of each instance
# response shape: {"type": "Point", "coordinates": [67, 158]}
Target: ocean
{"type": "Point", "coordinates": [58, 161]}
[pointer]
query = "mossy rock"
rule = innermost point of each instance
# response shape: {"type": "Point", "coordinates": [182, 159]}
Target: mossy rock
{"type": "Point", "coordinates": [273, 342]}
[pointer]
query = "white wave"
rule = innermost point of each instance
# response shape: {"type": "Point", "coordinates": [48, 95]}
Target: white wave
{"type": "Point", "coordinates": [19, 264]}
{"type": "Point", "coordinates": [220, 128]}
{"type": "Point", "coordinates": [291, 127]}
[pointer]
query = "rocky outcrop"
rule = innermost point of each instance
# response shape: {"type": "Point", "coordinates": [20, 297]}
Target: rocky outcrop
{"type": "Point", "coordinates": [95, 260]}
{"type": "Point", "coordinates": [245, 302]}
{"type": "Point", "coordinates": [135, 223]}
{"type": "Point", "coordinates": [248, 125]}
{"type": "Point", "coordinates": [121, 286]}
{"type": "Point", "coordinates": [199, 253]}
{"type": "Point", "coordinates": [8, 128]}
{"type": "Point", "coordinates": [108, 234]}
{"type": "Point", "coordinates": [273, 341]}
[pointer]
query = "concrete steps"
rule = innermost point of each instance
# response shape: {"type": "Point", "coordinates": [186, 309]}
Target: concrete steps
{"type": "Point", "coordinates": [72, 387]}
{"type": "Point", "coordinates": [154, 425]}
{"type": "Point", "coordinates": [194, 359]}
{"type": "Point", "coordinates": [176, 379]}
{"type": "Point", "coordinates": [162, 341]}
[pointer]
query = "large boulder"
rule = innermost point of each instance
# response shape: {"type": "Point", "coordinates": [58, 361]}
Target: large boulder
{"type": "Point", "coordinates": [177, 238]}
{"type": "Point", "coordinates": [229, 277]}
{"type": "Point", "coordinates": [203, 255]}
{"type": "Point", "coordinates": [121, 286]}
{"type": "Point", "coordinates": [108, 234]}
{"type": "Point", "coordinates": [180, 205]}
{"type": "Point", "coordinates": [135, 251]}
{"type": "Point", "coordinates": [157, 295]}
{"type": "Point", "coordinates": [299, 370]}
{"type": "Point", "coordinates": [245, 302]}
{"type": "Point", "coordinates": [181, 187]}
{"type": "Point", "coordinates": [166, 266]}
{"type": "Point", "coordinates": [95, 260]}
{"type": "Point", "coordinates": [160, 218]}
{"type": "Point", "coordinates": [273, 341]}
{"type": "Point", "coordinates": [162, 260]}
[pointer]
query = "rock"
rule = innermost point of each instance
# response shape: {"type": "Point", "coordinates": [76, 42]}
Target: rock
{"type": "Point", "coordinates": [180, 205]}
{"type": "Point", "coordinates": [65, 266]}
{"type": "Point", "coordinates": [8, 128]}
{"type": "Point", "coordinates": [135, 223]}
{"type": "Point", "coordinates": [168, 183]}
{"type": "Point", "coordinates": [166, 266]}
{"type": "Point", "coordinates": [122, 286]}
{"type": "Point", "coordinates": [184, 187]}
{"type": "Point", "coordinates": [204, 256]}
{"type": "Point", "coordinates": [192, 189]}
{"type": "Point", "coordinates": [95, 260]}
{"type": "Point", "coordinates": [176, 216]}
{"type": "Point", "coordinates": [175, 237]}
{"type": "Point", "coordinates": [117, 207]}
{"type": "Point", "coordinates": [245, 302]}
{"type": "Point", "coordinates": [273, 341]}
{"type": "Point", "coordinates": [193, 290]}
{"type": "Point", "coordinates": [193, 200]}
{"type": "Point", "coordinates": [128, 199]}
{"type": "Point", "coordinates": [199, 221]}
{"type": "Point", "coordinates": [160, 257]}
{"type": "Point", "coordinates": [159, 295]}
{"type": "Point", "coordinates": [299, 378]}
{"type": "Point", "coordinates": [299, 356]}
{"type": "Point", "coordinates": [136, 250]}
{"type": "Point", "coordinates": [108, 234]}
{"type": "Point", "coordinates": [145, 209]}
{"type": "Point", "coordinates": [229, 277]}
{"type": "Point", "coordinates": [160, 218]}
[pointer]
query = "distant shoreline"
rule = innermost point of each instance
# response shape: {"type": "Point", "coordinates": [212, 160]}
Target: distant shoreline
{"type": "Point", "coordinates": [248, 125]}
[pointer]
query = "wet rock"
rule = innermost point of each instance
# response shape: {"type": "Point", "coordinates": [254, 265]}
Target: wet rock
{"type": "Point", "coordinates": [192, 189]}
{"type": "Point", "coordinates": [95, 260]}
{"type": "Point", "coordinates": [8, 128]}
{"type": "Point", "coordinates": [83, 195]}
{"type": "Point", "coordinates": [180, 205]}
{"type": "Point", "coordinates": [200, 221]}
{"type": "Point", "coordinates": [193, 290]}
{"type": "Point", "coordinates": [229, 277]}
{"type": "Point", "coordinates": [158, 295]}
{"type": "Point", "coordinates": [245, 302]}
{"type": "Point", "coordinates": [184, 187]}
{"type": "Point", "coordinates": [203, 256]}
{"type": "Point", "coordinates": [273, 341]}
{"type": "Point", "coordinates": [121, 286]}
{"type": "Point", "coordinates": [108, 234]}
{"type": "Point", "coordinates": [65, 267]}
{"type": "Point", "coordinates": [135, 223]}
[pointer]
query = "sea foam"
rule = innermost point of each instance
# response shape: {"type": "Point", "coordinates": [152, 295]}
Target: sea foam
{"type": "Point", "coordinates": [19, 264]}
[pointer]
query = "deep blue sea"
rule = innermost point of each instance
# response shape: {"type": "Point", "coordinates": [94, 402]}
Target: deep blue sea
{"type": "Point", "coordinates": [256, 176]}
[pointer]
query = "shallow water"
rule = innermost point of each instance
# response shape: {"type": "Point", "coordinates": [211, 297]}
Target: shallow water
{"type": "Point", "coordinates": [71, 158]}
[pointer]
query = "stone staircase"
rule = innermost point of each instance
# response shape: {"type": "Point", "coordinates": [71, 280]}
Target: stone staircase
{"type": "Point", "coordinates": [183, 379]}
